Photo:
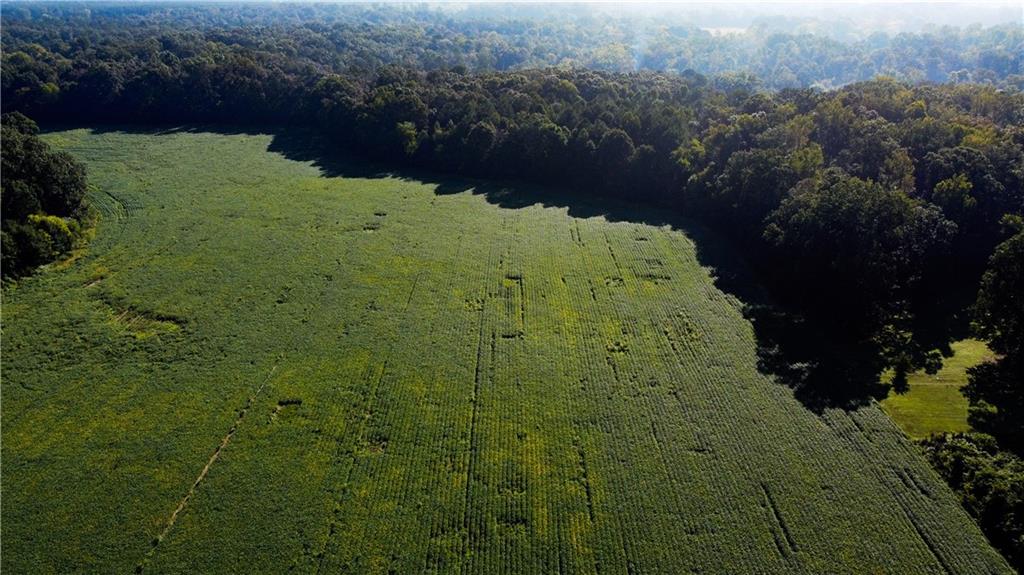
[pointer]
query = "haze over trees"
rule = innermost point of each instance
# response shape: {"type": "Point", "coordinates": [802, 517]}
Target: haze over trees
{"type": "Point", "coordinates": [769, 50]}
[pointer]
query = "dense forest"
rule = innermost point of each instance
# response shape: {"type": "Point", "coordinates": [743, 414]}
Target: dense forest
{"type": "Point", "coordinates": [873, 211]}
{"type": "Point", "coordinates": [57, 39]}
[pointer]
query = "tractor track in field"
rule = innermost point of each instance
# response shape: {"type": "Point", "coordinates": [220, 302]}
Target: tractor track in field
{"type": "Point", "coordinates": [114, 209]}
{"type": "Point", "coordinates": [202, 474]}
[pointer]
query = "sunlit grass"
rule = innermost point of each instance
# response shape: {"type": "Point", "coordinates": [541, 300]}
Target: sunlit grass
{"type": "Point", "coordinates": [933, 403]}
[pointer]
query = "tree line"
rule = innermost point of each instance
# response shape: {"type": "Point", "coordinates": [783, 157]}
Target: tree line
{"type": "Point", "coordinates": [43, 199]}
{"type": "Point", "coordinates": [361, 38]}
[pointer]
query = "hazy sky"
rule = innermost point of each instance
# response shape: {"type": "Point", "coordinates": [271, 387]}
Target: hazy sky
{"type": "Point", "coordinates": [884, 15]}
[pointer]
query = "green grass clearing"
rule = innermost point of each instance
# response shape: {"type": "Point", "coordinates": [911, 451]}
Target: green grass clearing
{"type": "Point", "coordinates": [256, 368]}
{"type": "Point", "coordinates": [933, 403]}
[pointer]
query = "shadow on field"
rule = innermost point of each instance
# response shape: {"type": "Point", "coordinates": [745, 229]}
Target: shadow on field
{"type": "Point", "coordinates": [823, 371]}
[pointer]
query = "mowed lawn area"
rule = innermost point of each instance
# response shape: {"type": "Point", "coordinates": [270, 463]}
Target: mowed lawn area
{"type": "Point", "coordinates": [933, 403]}
{"type": "Point", "coordinates": [258, 368]}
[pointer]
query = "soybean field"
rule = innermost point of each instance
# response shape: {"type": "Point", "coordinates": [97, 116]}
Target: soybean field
{"type": "Point", "coordinates": [259, 366]}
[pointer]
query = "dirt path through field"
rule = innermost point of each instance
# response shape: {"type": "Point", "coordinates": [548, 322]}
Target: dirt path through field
{"type": "Point", "coordinates": [206, 469]}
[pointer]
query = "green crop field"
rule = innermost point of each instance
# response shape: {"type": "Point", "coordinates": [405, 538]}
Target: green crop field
{"type": "Point", "coordinates": [255, 368]}
{"type": "Point", "coordinates": [933, 403]}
